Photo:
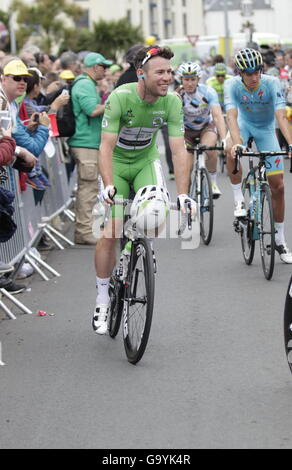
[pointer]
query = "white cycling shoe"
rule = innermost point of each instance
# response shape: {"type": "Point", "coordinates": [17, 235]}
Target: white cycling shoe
{"type": "Point", "coordinates": [240, 210]}
{"type": "Point", "coordinates": [99, 321]}
{"type": "Point", "coordinates": [285, 253]}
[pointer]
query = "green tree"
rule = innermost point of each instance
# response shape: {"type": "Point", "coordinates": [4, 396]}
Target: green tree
{"type": "Point", "coordinates": [77, 40]}
{"type": "Point", "coordinates": [109, 38]}
{"type": "Point", "coordinates": [46, 18]}
{"type": "Point", "coordinates": [4, 18]}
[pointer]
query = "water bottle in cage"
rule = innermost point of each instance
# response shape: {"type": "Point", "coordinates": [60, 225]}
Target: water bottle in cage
{"type": "Point", "coordinates": [124, 261]}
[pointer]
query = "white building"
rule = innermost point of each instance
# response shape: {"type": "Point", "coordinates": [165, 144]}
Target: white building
{"type": "Point", "coordinates": [268, 16]}
{"type": "Point", "coordinates": [164, 18]}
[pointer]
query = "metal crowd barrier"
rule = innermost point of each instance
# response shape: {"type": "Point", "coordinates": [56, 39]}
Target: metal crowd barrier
{"type": "Point", "coordinates": [34, 213]}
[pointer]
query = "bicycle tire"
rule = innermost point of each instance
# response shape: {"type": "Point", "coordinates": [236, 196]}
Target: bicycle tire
{"type": "Point", "coordinates": [267, 232]}
{"type": "Point", "coordinates": [116, 292]}
{"type": "Point", "coordinates": [139, 292]}
{"type": "Point", "coordinates": [288, 325]}
{"type": "Point", "coordinates": [222, 161]}
{"type": "Point", "coordinates": [246, 235]}
{"type": "Point", "coordinates": [206, 207]}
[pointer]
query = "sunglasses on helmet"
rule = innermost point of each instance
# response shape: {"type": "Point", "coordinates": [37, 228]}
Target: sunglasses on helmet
{"type": "Point", "coordinates": [151, 53]}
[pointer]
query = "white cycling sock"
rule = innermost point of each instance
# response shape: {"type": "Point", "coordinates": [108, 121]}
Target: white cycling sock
{"type": "Point", "coordinates": [279, 235]}
{"type": "Point", "coordinates": [102, 285]}
{"type": "Point", "coordinates": [213, 177]}
{"type": "Point", "coordinates": [237, 192]}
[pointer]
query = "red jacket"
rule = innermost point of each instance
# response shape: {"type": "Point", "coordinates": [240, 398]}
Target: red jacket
{"type": "Point", "coordinates": [7, 148]}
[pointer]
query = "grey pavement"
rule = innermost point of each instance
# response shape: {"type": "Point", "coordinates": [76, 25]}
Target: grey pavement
{"type": "Point", "coordinates": [214, 374]}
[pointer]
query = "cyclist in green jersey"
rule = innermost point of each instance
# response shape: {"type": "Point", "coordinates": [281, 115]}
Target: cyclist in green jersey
{"type": "Point", "coordinates": [134, 113]}
{"type": "Point", "coordinates": [218, 80]}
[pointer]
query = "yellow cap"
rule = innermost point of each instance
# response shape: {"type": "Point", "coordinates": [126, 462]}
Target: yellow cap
{"type": "Point", "coordinates": [150, 40]}
{"type": "Point", "coordinates": [16, 67]}
{"type": "Point", "coordinates": [67, 75]}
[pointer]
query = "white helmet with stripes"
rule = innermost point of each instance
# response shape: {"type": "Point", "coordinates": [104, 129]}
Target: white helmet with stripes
{"type": "Point", "coordinates": [149, 209]}
{"type": "Point", "coordinates": [189, 69]}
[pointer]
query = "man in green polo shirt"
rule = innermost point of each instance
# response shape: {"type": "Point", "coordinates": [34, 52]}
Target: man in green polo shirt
{"type": "Point", "coordinates": [84, 144]}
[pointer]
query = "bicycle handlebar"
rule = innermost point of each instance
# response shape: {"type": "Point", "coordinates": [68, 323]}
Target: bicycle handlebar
{"type": "Point", "coordinates": [241, 153]}
{"type": "Point", "coordinates": [173, 205]}
{"type": "Point", "coordinates": [202, 148]}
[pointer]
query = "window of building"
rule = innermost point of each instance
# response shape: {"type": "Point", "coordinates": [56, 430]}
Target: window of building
{"type": "Point", "coordinates": [83, 21]}
{"type": "Point", "coordinates": [129, 16]}
{"type": "Point", "coordinates": [173, 23]}
{"type": "Point", "coordinates": [185, 24]}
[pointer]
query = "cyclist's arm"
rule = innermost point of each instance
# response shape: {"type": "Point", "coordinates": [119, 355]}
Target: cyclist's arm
{"type": "Point", "coordinates": [181, 164]}
{"type": "Point", "coordinates": [231, 118]}
{"type": "Point", "coordinates": [219, 121]}
{"type": "Point", "coordinates": [108, 143]}
{"type": "Point", "coordinates": [284, 125]}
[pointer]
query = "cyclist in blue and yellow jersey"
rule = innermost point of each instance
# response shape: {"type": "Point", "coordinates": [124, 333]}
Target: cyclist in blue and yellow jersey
{"type": "Point", "coordinates": [203, 117]}
{"type": "Point", "coordinates": [252, 102]}
{"type": "Point", "coordinates": [129, 157]}
{"type": "Point", "coordinates": [218, 81]}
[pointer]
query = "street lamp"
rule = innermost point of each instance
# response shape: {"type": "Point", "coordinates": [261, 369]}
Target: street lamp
{"type": "Point", "coordinates": [247, 11]}
{"type": "Point", "coordinates": [247, 8]}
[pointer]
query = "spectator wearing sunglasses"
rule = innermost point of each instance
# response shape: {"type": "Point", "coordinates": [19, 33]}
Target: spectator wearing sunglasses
{"type": "Point", "coordinates": [13, 85]}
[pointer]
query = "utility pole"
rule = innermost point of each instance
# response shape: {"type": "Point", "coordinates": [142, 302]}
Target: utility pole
{"type": "Point", "coordinates": [12, 34]}
{"type": "Point", "coordinates": [227, 32]}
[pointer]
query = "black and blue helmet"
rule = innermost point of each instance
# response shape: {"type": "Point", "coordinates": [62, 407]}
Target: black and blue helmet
{"type": "Point", "coordinates": [248, 60]}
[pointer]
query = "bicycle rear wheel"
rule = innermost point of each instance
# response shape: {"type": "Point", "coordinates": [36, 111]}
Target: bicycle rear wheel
{"type": "Point", "coordinates": [247, 225]}
{"type": "Point", "coordinates": [139, 300]}
{"type": "Point", "coordinates": [116, 292]}
{"type": "Point", "coordinates": [288, 324]}
{"type": "Point", "coordinates": [267, 232]}
{"type": "Point", "coordinates": [206, 208]}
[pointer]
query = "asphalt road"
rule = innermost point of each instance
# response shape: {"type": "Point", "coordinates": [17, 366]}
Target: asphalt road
{"type": "Point", "coordinates": [214, 374]}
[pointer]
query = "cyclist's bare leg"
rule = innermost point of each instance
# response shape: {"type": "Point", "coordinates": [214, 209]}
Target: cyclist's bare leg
{"type": "Point", "coordinates": [105, 252]}
{"type": "Point", "coordinates": [276, 183]}
{"type": "Point", "coordinates": [210, 139]}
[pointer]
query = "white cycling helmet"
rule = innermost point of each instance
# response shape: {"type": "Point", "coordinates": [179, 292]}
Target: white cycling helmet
{"type": "Point", "coordinates": [189, 69]}
{"type": "Point", "coordinates": [149, 209]}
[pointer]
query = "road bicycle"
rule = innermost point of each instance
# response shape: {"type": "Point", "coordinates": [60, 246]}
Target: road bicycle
{"type": "Point", "coordinates": [201, 190]}
{"type": "Point", "coordinates": [259, 221]}
{"type": "Point", "coordinates": [132, 287]}
{"type": "Point", "coordinates": [288, 324]}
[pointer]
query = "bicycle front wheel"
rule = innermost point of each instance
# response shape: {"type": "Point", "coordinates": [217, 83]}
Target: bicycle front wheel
{"type": "Point", "coordinates": [206, 208]}
{"type": "Point", "coordinates": [139, 300]}
{"type": "Point", "coordinates": [288, 324]}
{"type": "Point", "coordinates": [267, 232]}
{"type": "Point", "coordinates": [247, 225]}
{"type": "Point", "coordinates": [116, 292]}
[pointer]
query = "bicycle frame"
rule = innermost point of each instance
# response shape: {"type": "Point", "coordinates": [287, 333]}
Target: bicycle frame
{"type": "Point", "coordinates": [256, 174]}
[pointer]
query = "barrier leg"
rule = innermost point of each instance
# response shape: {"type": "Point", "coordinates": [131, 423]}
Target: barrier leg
{"type": "Point", "coordinates": [7, 311]}
{"type": "Point", "coordinates": [70, 215]}
{"type": "Point", "coordinates": [51, 229]}
{"type": "Point", "coordinates": [36, 267]}
{"type": "Point", "coordinates": [53, 239]}
{"type": "Point", "coordinates": [44, 264]}
{"type": "Point", "coordinates": [15, 301]}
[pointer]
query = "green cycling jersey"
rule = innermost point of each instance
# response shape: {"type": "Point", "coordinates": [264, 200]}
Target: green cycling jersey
{"type": "Point", "coordinates": [218, 87]}
{"type": "Point", "coordinates": [137, 122]}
